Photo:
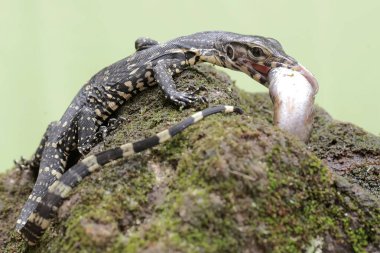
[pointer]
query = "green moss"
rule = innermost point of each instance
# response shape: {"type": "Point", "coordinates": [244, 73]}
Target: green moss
{"type": "Point", "coordinates": [288, 213]}
{"type": "Point", "coordinates": [357, 237]}
{"type": "Point", "coordinates": [357, 151]}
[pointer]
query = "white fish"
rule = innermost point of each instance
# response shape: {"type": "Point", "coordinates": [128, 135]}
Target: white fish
{"type": "Point", "coordinates": [293, 98]}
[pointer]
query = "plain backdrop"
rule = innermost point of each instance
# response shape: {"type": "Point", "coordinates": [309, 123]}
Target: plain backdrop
{"type": "Point", "coordinates": [50, 48]}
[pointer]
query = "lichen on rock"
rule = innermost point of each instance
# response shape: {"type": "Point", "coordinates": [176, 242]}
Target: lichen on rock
{"type": "Point", "coordinates": [230, 183]}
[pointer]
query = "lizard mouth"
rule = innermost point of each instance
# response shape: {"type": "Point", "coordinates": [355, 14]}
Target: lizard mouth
{"type": "Point", "coordinates": [264, 70]}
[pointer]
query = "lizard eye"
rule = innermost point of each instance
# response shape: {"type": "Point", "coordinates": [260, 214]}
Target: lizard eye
{"type": "Point", "coordinates": [256, 52]}
{"type": "Point", "coordinates": [230, 51]}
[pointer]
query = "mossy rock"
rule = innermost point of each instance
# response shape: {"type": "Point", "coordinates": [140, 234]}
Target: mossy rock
{"type": "Point", "coordinates": [230, 183]}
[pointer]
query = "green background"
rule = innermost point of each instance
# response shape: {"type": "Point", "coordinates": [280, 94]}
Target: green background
{"type": "Point", "coordinates": [48, 49]}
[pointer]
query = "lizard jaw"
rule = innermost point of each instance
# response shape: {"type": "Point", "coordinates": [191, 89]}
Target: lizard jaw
{"type": "Point", "coordinates": [264, 70]}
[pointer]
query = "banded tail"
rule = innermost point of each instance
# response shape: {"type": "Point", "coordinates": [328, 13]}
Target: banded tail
{"type": "Point", "coordinates": [47, 208]}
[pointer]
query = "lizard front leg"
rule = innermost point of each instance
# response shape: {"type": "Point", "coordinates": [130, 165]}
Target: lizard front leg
{"type": "Point", "coordinates": [163, 76]}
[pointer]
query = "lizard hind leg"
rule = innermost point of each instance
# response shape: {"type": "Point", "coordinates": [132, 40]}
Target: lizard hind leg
{"type": "Point", "coordinates": [105, 130]}
{"type": "Point", "coordinates": [88, 135]}
{"type": "Point", "coordinates": [51, 169]}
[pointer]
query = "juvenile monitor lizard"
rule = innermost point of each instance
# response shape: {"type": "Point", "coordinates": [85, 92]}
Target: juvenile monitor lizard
{"type": "Point", "coordinates": [69, 139]}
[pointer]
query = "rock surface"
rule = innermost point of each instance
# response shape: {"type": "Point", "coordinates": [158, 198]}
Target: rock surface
{"type": "Point", "coordinates": [231, 183]}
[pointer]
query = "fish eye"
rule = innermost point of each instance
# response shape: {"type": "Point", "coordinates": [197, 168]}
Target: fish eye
{"type": "Point", "coordinates": [256, 52]}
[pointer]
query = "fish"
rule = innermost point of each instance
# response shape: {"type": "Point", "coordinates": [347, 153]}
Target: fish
{"type": "Point", "coordinates": [293, 97]}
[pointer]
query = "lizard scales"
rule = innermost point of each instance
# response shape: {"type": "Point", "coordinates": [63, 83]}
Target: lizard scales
{"type": "Point", "coordinates": [67, 140]}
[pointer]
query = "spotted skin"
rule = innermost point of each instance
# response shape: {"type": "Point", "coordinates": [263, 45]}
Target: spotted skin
{"type": "Point", "coordinates": [48, 206]}
{"type": "Point", "coordinates": [69, 139]}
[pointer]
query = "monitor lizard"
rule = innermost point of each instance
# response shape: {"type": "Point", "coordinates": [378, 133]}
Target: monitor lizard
{"type": "Point", "coordinates": [70, 138]}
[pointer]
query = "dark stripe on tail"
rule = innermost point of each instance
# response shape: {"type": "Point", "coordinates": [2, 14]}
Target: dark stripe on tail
{"type": "Point", "coordinates": [142, 145]}
{"type": "Point", "coordinates": [75, 175]}
{"type": "Point", "coordinates": [238, 110]}
{"type": "Point", "coordinates": [32, 232]}
{"type": "Point", "coordinates": [109, 155]}
{"type": "Point", "coordinates": [181, 126]}
{"type": "Point", "coordinates": [45, 208]}
{"type": "Point", "coordinates": [190, 120]}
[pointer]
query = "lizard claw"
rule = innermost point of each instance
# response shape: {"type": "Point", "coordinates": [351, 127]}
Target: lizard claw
{"type": "Point", "coordinates": [103, 131]}
{"type": "Point", "coordinates": [84, 149]}
{"type": "Point", "coordinates": [185, 99]}
{"type": "Point", "coordinates": [203, 99]}
{"type": "Point", "coordinates": [23, 164]}
{"type": "Point", "coordinates": [114, 123]}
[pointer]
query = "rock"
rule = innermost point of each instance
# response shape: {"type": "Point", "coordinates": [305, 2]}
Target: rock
{"type": "Point", "coordinates": [230, 183]}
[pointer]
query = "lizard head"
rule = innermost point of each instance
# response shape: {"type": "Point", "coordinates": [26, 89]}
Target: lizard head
{"type": "Point", "coordinates": [256, 56]}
